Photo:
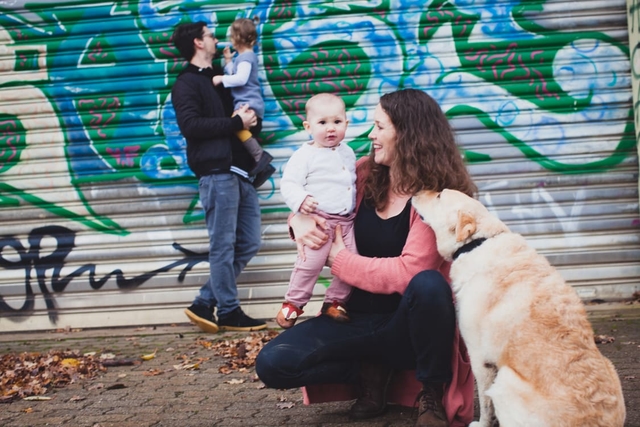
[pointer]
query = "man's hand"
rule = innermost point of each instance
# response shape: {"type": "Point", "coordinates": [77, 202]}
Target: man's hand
{"type": "Point", "coordinates": [217, 80]}
{"type": "Point", "coordinates": [308, 205]}
{"type": "Point", "coordinates": [247, 115]}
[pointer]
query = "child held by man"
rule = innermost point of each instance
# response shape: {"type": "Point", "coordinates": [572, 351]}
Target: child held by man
{"type": "Point", "coordinates": [320, 179]}
{"type": "Point", "coordinates": [241, 76]}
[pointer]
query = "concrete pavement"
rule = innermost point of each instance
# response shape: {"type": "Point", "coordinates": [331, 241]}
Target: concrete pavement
{"type": "Point", "coordinates": [162, 392]}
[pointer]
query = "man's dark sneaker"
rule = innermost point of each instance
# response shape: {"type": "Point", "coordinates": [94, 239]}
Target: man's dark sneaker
{"type": "Point", "coordinates": [238, 321]}
{"type": "Point", "coordinates": [202, 317]}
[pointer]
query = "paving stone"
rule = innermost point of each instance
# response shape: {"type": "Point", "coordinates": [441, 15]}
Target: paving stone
{"type": "Point", "coordinates": [135, 410]}
{"type": "Point", "coordinates": [86, 418]}
{"type": "Point", "coordinates": [202, 398]}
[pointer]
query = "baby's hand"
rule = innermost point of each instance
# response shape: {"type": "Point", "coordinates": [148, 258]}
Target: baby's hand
{"type": "Point", "coordinates": [226, 52]}
{"type": "Point", "coordinates": [217, 80]}
{"type": "Point", "coordinates": [308, 205]}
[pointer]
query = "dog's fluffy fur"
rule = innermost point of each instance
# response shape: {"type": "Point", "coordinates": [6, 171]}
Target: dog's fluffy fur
{"type": "Point", "coordinates": [531, 346]}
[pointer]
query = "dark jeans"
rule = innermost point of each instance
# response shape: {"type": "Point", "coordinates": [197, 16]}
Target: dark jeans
{"type": "Point", "coordinates": [232, 214]}
{"type": "Point", "coordinates": [418, 335]}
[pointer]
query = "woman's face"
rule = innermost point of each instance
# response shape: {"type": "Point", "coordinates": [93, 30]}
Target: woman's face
{"type": "Point", "coordinates": [383, 138]}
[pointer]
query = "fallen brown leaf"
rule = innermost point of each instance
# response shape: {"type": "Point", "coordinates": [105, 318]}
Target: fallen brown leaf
{"type": "Point", "coordinates": [604, 339]}
{"type": "Point", "coordinates": [187, 366]}
{"type": "Point", "coordinates": [240, 353]}
{"type": "Point", "coordinates": [33, 374]}
{"type": "Point", "coordinates": [38, 398]}
{"type": "Point", "coordinates": [70, 362]}
{"type": "Point", "coordinates": [96, 386]}
{"type": "Point", "coordinates": [286, 405]}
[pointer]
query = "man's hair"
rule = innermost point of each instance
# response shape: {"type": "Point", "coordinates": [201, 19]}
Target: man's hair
{"type": "Point", "coordinates": [243, 31]}
{"type": "Point", "coordinates": [183, 37]}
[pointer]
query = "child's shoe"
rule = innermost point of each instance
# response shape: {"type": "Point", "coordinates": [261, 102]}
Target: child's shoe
{"type": "Point", "coordinates": [262, 176]}
{"type": "Point", "coordinates": [336, 311]}
{"type": "Point", "coordinates": [288, 315]}
{"type": "Point", "coordinates": [262, 164]}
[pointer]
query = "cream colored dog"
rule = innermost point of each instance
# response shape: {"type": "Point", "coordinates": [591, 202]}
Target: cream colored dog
{"type": "Point", "coordinates": [531, 346]}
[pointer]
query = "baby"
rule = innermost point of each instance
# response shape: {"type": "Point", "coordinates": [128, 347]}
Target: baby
{"type": "Point", "coordinates": [241, 75]}
{"type": "Point", "coordinates": [320, 178]}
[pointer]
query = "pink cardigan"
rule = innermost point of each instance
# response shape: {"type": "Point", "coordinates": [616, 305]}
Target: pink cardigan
{"type": "Point", "coordinates": [389, 275]}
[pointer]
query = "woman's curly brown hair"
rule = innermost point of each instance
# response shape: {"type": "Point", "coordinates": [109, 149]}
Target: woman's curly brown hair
{"type": "Point", "coordinates": [426, 155]}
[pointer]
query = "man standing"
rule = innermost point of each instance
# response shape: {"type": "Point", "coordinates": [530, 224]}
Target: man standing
{"type": "Point", "coordinates": [219, 161]}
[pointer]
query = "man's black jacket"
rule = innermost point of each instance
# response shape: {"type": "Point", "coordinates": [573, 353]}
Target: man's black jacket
{"type": "Point", "coordinates": [204, 113]}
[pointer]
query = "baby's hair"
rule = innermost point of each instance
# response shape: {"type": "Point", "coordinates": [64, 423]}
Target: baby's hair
{"type": "Point", "coordinates": [243, 31]}
{"type": "Point", "coordinates": [322, 97]}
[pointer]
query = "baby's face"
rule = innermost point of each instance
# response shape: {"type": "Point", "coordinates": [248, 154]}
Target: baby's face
{"type": "Point", "coordinates": [327, 124]}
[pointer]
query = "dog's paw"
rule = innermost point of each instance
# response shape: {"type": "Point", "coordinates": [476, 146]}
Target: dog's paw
{"type": "Point", "coordinates": [475, 424]}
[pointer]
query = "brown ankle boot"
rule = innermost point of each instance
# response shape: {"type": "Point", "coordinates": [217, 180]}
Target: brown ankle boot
{"type": "Point", "coordinates": [431, 412]}
{"type": "Point", "coordinates": [374, 381]}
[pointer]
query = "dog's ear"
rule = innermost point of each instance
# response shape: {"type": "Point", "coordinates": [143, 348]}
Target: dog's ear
{"type": "Point", "coordinates": [466, 226]}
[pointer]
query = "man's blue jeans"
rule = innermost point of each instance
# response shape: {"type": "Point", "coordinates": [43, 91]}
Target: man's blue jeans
{"type": "Point", "coordinates": [232, 214]}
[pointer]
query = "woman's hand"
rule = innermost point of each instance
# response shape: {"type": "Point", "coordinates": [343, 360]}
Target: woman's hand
{"type": "Point", "coordinates": [336, 246]}
{"type": "Point", "coordinates": [308, 230]}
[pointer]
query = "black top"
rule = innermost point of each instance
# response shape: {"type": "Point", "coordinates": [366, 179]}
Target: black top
{"type": "Point", "coordinates": [378, 238]}
{"type": "Point", "coordinates": [204, 113]}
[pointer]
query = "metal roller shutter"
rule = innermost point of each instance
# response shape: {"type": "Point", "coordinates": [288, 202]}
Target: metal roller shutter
{"type": "Point", "coordinates": [99, 217]}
